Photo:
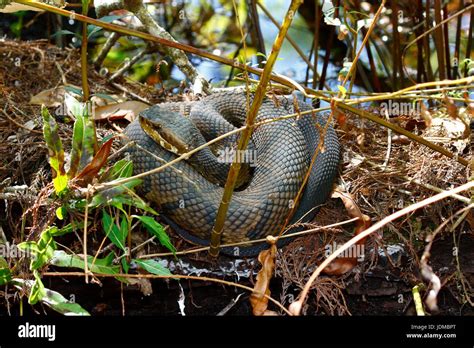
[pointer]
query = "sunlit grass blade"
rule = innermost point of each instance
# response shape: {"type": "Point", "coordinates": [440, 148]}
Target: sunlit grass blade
{"type": "Point", "coordinates": [55, 150]}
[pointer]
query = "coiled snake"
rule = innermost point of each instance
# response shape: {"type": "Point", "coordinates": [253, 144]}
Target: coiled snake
{"type": "Point", "coordinates": [280, 152]}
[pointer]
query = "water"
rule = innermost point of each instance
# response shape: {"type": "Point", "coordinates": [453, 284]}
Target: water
{"type": "Point", "coordinates": [289, 62]}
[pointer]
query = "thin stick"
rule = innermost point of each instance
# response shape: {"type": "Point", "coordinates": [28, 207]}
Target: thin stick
{"type": "Point", "coordinates": [295, 307]}
{"type": "Point", "coordinates": [366, 38]}
{"type": "Point", "coordinates": [294, 44]}
{"type": "Point", "coordinates": [247, 131]}
{"type": "Point", "coordinates": [289, 235]}
{"type": "Point", "coordinates": [173, 276]}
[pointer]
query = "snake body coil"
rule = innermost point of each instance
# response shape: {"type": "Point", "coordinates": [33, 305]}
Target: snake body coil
{"type": "Point", "coordinates": [189, 194]}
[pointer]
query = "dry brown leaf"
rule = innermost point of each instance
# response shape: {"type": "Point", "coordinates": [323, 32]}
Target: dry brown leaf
{"type": "Point", "coordinates": [452, 108]}
{"type": "Point", "coordinates": [90, 171]}
{"type": "Point", "coordinates": [426, 115]}
{"type": "Point", "coordinates": [339, 116]}
{"type": "Point", "coordinates": [258, 301]}
{"type": "Point", "coordinates": [144, 284]}
{"type": "Point", "coordinates": [354, 211]}
{"type": "Point", "coordinates": [50, 97]}
{"type": "Point", "coordinates": [128, 110]}
{"type": "Point", "coordinates": [342, 265]}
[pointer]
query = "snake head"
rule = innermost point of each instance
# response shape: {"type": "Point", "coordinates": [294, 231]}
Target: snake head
{"type": "Point", "coordinates": [171, 130]}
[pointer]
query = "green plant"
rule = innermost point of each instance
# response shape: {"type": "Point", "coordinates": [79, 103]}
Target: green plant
{"type": "Point", "coordinates": [77, 202]}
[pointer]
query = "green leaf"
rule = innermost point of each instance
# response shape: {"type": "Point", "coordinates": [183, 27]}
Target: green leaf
{"type": "Point", "coordinates": [44, 248]}
{"type": "Point", "coordinates": [85, 6]}
{"type": "Point", "coordinates": [29, 246]}
{"type": "Point", "coordinates": [120, 192]}
{"type": "Point", "coordinates": [89, 141]}
{"type": "Point", "coordinates": [74, 90]}
{"type": "Point", "coordinates": [125, 265]}
{"type": "Point", "coordinates": [55, 150]}
{"type": "Point", "coordinates": [56, 232]}
{"type": "Point", "coordinates": [134, 201]}
{"type": "Point", "coordinates": [76, 151]}
{"type": "Point", "coordinates": [106, 96]}
{"type": "Point", "coordinates": [157, 230]}
{"type": "Point", "coordinates": [122, 169]}
{"type": "Point", "coordinates": [100, 266]}
{"type": "Point", "coordinates": [37, 291]}
{"type": "Point", "coordinates": [92, 29]}
{"type": "Point", "coordinates": [60, 213]}
{"type": "Point", "coordinates": [153, 267]}
{"type": "Point", "coordinates": [42, 251]}
{"type": "Point", "coordinates": [49, 297]}
{"type": "Point", "coordinates": [72, 104]}
{"type": "Point", "coordinates": [66, 32]}
{"type": "Point", "coordinates": [61, 305]}
{"type": "Point", "coordinates": [84, 138]}
{"type": "Point", "coordinates": [111, 18]}
{"type": "Point", "coordinates": [5, 272]}
{"type": "Point", "coordinates": [116, 235]}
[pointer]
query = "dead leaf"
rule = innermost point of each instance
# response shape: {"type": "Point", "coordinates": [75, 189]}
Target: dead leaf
{"type": "Point", "coordinates": [50, 97]}
{"type": "Point", "coordinates": [144, 284]}
{"type": "Point", "coordinates": [400, 139]}
{"type": "Point", "coordinates": [128, 110]}
{"type": "Point", "coordinates": [354, 211]}
{"type": "Point", "coordinates": [451, 107]}
{"type": "Point", "coordinates": [90, 171]}
{"type": "Point", "coordinates": [258, 301]}
{"type": "Point", "coordinates": [339, 116]}
{"type": "Point", "coordinates": [342, 265]}
{"type": "Point", "coordinates": [426, 115]}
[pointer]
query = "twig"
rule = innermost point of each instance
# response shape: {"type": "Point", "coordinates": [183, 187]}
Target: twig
{"type": "Point", "coordinates": [389, 143]}
{"type": "Point", "coordinates": [294, 44]}
{"type": "Point", "coordinates": [400, 130]}
{"type": "Point", "coordinates": [111, 40]}
{"type": "Point", "coordinates": [289, 235]}
{"type": "Point", "coordinates": [229, 306]}
{"type": "Point", "coordinates": [176, 55]}
{"type": "Point", "coordinates": [405, 49]}
{"type": "Point", "coordinates": [247, 132]}
{"type": "Point", "coordinates": [128, 64]}
{"type": "Point", "coordinates": [295, 307]}
{"type": "Point", "coordinates": [172, 276]}
{"type": "Point", "coordinates": [366, 37]}
{"type": "Point", "coordinates": [422, 184]}
{"type": "Point", "coordinates": [85, 82]}
{"type": "Point", "coordinates": [427, 271]}
{"type": "Point", "coordinates": [133, 95]}
{"type": "Point", "coordinates": [146, 36]}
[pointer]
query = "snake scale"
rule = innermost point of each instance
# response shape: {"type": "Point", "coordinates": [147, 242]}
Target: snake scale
{"type": "Point", "coordinates": [189, 194]}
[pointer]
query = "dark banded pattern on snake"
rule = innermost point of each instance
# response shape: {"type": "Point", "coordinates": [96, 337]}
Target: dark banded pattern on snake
{"type": "Point", "coordinates": [189, 201]}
